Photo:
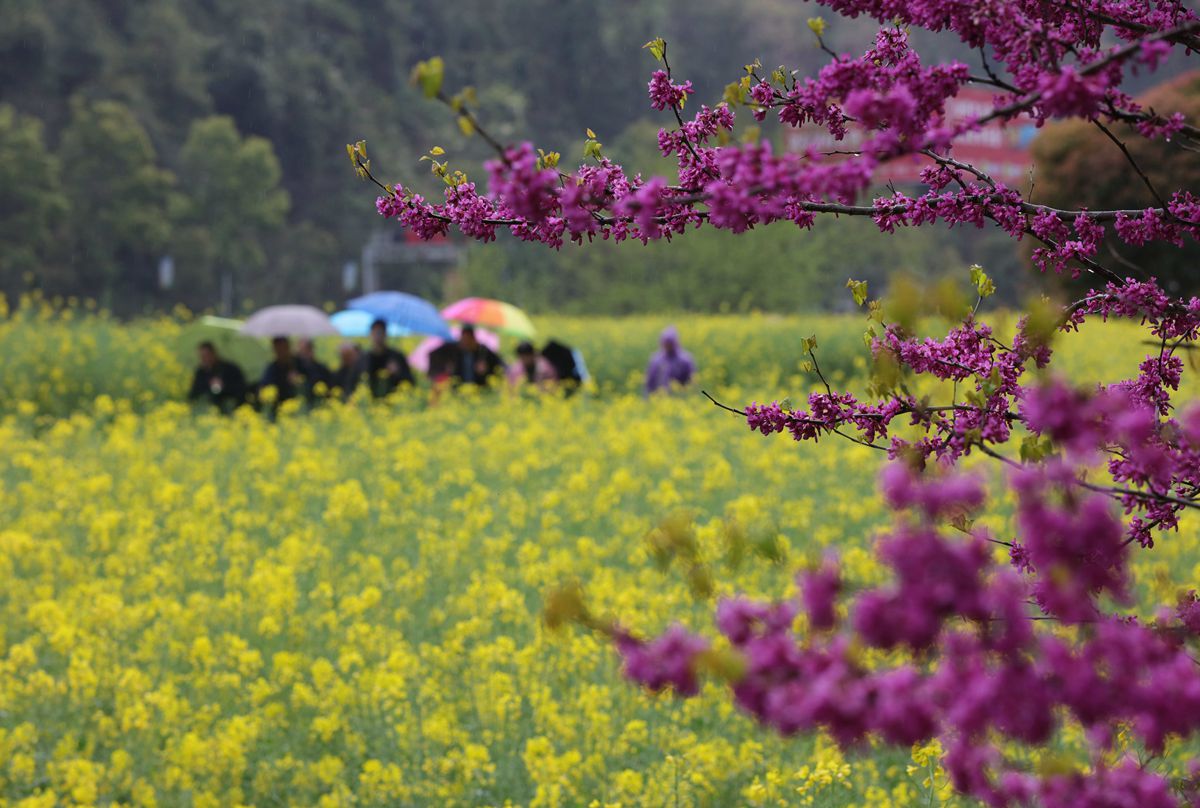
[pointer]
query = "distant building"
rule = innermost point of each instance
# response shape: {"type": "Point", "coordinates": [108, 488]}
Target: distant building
{"type": "Point", "coordinates": [1001, 150]}
{"type": "Point", "coordinates": [394, 258]}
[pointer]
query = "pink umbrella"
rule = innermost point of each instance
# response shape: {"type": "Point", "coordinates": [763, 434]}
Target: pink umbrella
{"type": "Point", "coordinates": [419, 358]}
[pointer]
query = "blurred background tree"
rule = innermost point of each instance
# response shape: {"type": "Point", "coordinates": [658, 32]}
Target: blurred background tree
{"type": "Point", "coordinates": [231, 199]}
{"type": "Point", "coordinates": [118, 198]}
{"type": "Point", "coordinates": [31, 199]}
{"type": "Point", "coordinates": [1077, 165]}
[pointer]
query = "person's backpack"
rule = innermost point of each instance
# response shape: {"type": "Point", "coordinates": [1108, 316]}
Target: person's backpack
{"type": "Point", "coordinates": [562, 359]}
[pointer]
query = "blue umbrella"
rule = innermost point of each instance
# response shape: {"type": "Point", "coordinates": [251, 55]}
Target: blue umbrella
{"type": "Point", "coordinates": [357, 323]}
{"type": "Point", "coordinates": [405, 310]}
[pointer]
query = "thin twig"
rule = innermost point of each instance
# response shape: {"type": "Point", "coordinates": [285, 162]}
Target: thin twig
{"type": "Point", "coordinates": [1128, 492]}
{"type": "Point", "coordinates": [1129, 157]}
{"type": "Point", "coordinates": [466, 112]}
{"type": "Point", "coordinates": [812, 354]}
{"type": "Point", "coordinates": [682, 131]}
{"type": "Point", "coordinates": [723, 406]}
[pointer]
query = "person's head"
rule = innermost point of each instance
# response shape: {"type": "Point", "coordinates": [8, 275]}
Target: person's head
{"type": "Point", "coordinates": [305, 349]}
{"type": "Point", "coordinates": [208, 355]}
{"type": "Point", "coordinates": [669, 340]}
{"type": "Point", "coordinates": [466, 338]}
{"type": "Point", "coordinates": [379, 333]}
{"type": "Point", "coordinates": [348, 351]}
{"type": "Point", "coordinates": [282, 348]}
{"type": "Point", "coordinates": [526, 355]}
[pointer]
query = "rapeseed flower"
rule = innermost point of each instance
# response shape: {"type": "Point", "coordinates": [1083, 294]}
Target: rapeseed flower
{"type": "Point", "coordinates": [345, 607]}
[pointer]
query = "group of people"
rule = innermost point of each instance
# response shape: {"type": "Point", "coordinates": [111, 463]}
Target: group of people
{"type": "Point", "coordinates": [381, 369]}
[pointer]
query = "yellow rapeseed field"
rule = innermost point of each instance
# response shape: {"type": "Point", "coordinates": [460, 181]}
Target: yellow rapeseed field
{"type": "Point", "coordinates": [343, 608]}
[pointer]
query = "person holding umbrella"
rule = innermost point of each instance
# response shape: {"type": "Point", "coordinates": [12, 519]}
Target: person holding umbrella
{"type": "Point", "coordinates": [472, 362]}
{"type": "Point", "coordinates": [285, 373]}
{"type": "Point", "coordinates": [384, 367]}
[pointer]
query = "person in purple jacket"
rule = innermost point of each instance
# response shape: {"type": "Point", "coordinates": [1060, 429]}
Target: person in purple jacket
{"type": "Point", "coordinates": [670, 365]}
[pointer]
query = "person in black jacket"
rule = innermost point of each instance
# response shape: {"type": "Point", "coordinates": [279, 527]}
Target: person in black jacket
{"type": "Point", "coordinates": [318, 378]}
{"type": "Point", "coordinates": [219, 382]}
{"type": "Point", "coordinates": [385, 368]}
{"type": "Point", "coordinates": [473, 362]}
{"type": "Point", "coordinates": [282, 373]}
{"type": "Point", "coordinates": [349, 372]}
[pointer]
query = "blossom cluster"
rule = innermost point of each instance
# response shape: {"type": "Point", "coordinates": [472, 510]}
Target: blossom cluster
{"type": "Point", "coordinates": [990, 677]}
{"type": "Point", "coordinates": [1100, 469]}
{"type": "Point", "coordinates": [896, 102]}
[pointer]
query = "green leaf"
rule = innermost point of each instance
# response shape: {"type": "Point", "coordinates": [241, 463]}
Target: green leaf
{"type": "Point", "coordinates": [962, 522]}
{"type": "Point", "coordinates": [591, 148]}
{"type": "Point", "coordinates": [769, 546]}
{"type": "Point", "coordinates": [437, 151]}
{"type": "Point", "coordinates": [564, 605]}
{"type": "Point", "coordinates": [809, 344]}
{"type": "Point", "coordinates": [724, 663]}
{"type": "Point", "coordinates": [465, 126]}
{"type": "Point", "coordinates": [1042, 322]}
{"type": "Point", "coordinates": [886, 372]}
{"type": "Point", "coordinates": [700, 582]}
{"type": "Point", "coordinates": [657, 47]}
{"type": "Point", "coordinates": [733, 94]}
{"type": "Point", "coordinates": [858, 290]}
{"type": "Point", "coordinates": [817, 26]}
{"type": "Point", "coordinates": [983, 284]}
{"type": "Point", "coordinates": [428, 75]}
{"type": "Point", "coordinates": [358, 157]}
{"type": "Point", "coordinates": [906, 300]}
{"type": "Point", "coordinates": [1034, 448]}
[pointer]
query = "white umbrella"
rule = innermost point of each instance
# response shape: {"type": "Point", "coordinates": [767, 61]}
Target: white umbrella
{"type": "Point", "coordinates": [289, 321]}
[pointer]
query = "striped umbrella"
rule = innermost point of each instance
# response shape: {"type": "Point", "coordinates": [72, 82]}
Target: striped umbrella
{"type": "Point", "coordinates": [494, 314]}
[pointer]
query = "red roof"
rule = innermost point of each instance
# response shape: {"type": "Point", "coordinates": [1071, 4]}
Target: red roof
{"type": "Point", "coordinates": [999, 149]}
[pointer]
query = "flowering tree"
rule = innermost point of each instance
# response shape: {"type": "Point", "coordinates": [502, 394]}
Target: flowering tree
{"type": "Point", "coordinates": [997, 655]}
